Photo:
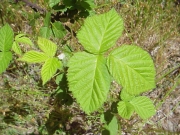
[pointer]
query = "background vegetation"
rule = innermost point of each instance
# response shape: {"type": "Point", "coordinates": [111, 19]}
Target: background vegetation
{"type": "Point", "coordinates": [28, 107]}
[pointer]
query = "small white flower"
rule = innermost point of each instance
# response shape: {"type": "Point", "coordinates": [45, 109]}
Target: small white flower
{"type": "Point", "coordinates": [61, 56]}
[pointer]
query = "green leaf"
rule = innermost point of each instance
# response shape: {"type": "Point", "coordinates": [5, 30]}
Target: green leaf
{"type": "Point", "coordinates": [87, 4]}
{"type": "Point", "coordinates": [101, 32]}
{"type": "Point", "coordinates": [133, 68]}
{"type": "Point", "coordinates": [89, 80]}
{"type": "Point", "coordinates": [34, 57]}
{"type": "Point", "coordinates": [45, 32]}
{"type": "Point", "coordinates": [47, 46]}
{"type": "Point", "coordinates": [58, 30]}
{"type": "Point", "coordinates": [16, 48]}
{"type": "Point", "coordinates": [6, 38]}
{"type": "Point", "coordinates": [126, 96]}
{"type": "Point", "coordinates": [113, 126]}
{"type": "Point", "coordinates": [21, 39]}
{"type": "Point", "coordinates": [125, 109]}
{"type": "Point", "coordinates": [52, 3]}
{"type": "Point", "coordinates": [49, 69]}
{"type": "Point", "coordinates": [143, 106]}
{"type": "Point", "coordinates": [5, 58]}
{"type": "Point", "coordinates": [47, 19]}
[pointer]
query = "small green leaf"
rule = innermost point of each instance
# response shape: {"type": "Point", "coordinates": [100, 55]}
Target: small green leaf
{"type": "Point", "coordinates": [47, 46]}
{"type": "Point", "coordinates": [143, 106]}
{"type": "Point", "coordinates": [49, 69]}
{"type": "Point", "coordinates": [52, 3]}
{"type": "Point", "coordinates": [58, 30]}
{"type": "Point", "coordinates": [22, 39]}
{"type": "Point", "coordinates": [16, 48]}
{"type": "Point", "coordinates": [113, 126]}
{"type": "Point", "coordinates": [34, 57]}
{"type": "Point", "coordinates": [133, 68]}
{"type": "Point", "coordinates": [89, 80]}
{"type": "Point", "coordinates": [125, 109]}
{"type": "Point", "coordinates": [126, 96]}
{"type": "Point", "coordinates": [47, 19]}
{"type": "Point", "coordinates": [100, 32]}
{"type": "Point", "coordinates": [5, 58]}
{"type": "Point", "coordinates": [7, 35]}
{"type": "Point", "coordinates": [45, 32]}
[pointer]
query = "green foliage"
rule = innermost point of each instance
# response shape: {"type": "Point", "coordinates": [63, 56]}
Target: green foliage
{"type": "Point", "coordinates": [49, 29]}
{"type": "Point", "coordinates": [89, 80]}
{"type": "Point", "coordinates": [102, 32]}
{"type": "Point", "coordinates": [20, 38]}
{"type": "Point", "coordinates": [6, 42]}
{"type": "Point", "coordinates": [132, 67]}
{"type": "Point", "coordinates": [50, 63]}
{"type": "Point", "coordinates": [83, 6]}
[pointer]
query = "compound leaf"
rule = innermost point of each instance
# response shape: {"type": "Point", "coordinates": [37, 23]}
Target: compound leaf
{"type": "Point", "coordinates": [100, 32]}
{"type": "Point", "coordinates": [143, 106]}
{"type": "Point", "coordinates": [125, 109]}
{"type": "Point", "coordinates": [133, 68]}
{"type": "Point", "coordinates": [5, 58]}
{"type": "Point", "coordinates": [89, 80]}
{"type": "Point", "coordinates": [7, 35]}
{"type": "Point", "coordinates": [34, 57]}
{"type": "Point", "coordinates": [49, 68]}
{"type": "Point", "coordinates": [47, 46]}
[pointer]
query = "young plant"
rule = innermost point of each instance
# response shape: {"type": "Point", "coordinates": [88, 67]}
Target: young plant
{"type": "Point", "coordinates": [6, 42]}
{"type": "Point", "coordinates": [90, 71]}
{"type": "Point", "coordinates": [50, 63]}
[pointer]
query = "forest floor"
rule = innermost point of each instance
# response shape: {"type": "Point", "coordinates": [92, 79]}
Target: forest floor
{"type": "Point", "coordinates": [28, 108]}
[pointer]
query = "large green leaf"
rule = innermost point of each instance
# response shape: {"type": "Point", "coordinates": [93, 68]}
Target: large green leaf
{"type": "Point", "coordinates": [89, 80]}
{"type": "Point", "coordinates": [100, 32]}
{"type": "Point", "coordinates": [47, 46]}
{"type": "Point", "coordinates": [133, 68]}
{"type": "Point", "coordinates": [34, 57]}
{"type": "Point", "coordinates": [5, 58]}
{"type": "Point", "coordinates": [49, 69]}
{"type": "Point", "coordinates": [6, 38]}
{"type": "Point", "coordinates": [125, 109]}
{"type": "Point", "coordinates": [143, 106]}
{"type": "Point", "coordinates": [58, 30]}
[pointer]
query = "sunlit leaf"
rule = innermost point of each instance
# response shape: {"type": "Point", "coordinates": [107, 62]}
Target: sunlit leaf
{"type": "Point", "coordinates": [16, 48]}
{"type": "Point", "coordinates": [6, 38]}
{"type": "Point", "coordinates": [125, 109]}
{"type": "Point", "coordinates": [143, 106]}
{"type": "Point", "coordinates": [34, 57]}
{"type": "Point", "coordinates": [100, 32]}
{"type": "Point", "coordinates": [47, 46]}
{"type": "Point", "coordinates": [89, 80]}
{"type": "Point", "coordinates": [49, 69]}
{"type": "Point", "coordinates": [20, 38]}
{"type": "Point", "coordinates": [5, 58]}
{"type": "Point", "coordinates": [133, 68]}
